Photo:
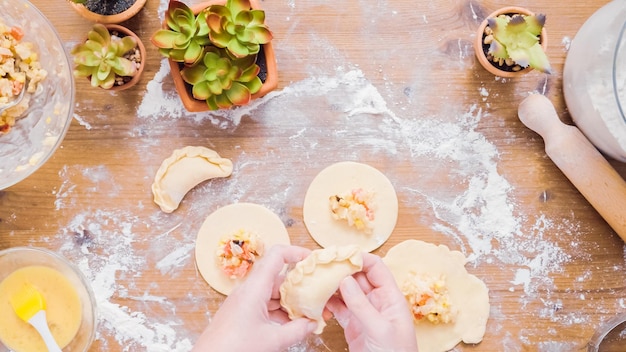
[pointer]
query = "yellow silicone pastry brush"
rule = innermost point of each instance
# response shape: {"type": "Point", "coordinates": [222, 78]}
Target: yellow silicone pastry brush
{"type": "Point", "coordinates": [29, 304]}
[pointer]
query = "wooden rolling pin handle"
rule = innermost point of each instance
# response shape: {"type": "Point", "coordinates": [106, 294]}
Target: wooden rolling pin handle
{"type": "Point", "coordinates": [579, 160]}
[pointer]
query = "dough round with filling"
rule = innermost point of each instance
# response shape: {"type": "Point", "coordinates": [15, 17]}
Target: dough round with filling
{"type": "Point", "coordinates": [339, 178]}
{"type": "Point", "coordinates": [468, 296]}
{"type": "Point", "coordinates": [183, 170]}
{"type": "Point", "coordinates": [310, 284]}
{"type": "Point", "coordinates": [226, 221]}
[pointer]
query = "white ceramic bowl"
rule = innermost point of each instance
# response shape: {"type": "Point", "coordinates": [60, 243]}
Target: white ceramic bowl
{"type": "Point", "coordinates": [35, 137]}
{"type": "Point", "coordinates": [19, 257]}
{"type": "Point", "coordinates": [594, 79]}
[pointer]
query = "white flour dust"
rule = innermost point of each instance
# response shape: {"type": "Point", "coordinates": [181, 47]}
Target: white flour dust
{"type": "Point", "coordinates": [474, 206]}
{"type": "Point", "coordinates": [478, 213]}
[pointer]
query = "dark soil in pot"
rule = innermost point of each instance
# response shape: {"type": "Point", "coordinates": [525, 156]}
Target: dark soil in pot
{"type": "Point", "coordinates": [108, 7]}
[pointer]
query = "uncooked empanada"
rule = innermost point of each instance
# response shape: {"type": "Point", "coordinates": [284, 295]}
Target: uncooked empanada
{"type": "Point", "coordinates": [465, 298]}
{"type": "Point", "coordinates": [183, 170]}
{"type": "Point", "coordinates": [310, 284]}
{"type": "Point", "coordinates": [343, 178]}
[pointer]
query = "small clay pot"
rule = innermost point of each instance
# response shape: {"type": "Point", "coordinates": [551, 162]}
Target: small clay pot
{"type": "Point", "coordinates": [105, 19]}
{"type": "Point", "coordinates": [184, 90]}
{"type": "Point", "coordinates": [142, 51]}
{"type": "Point", "coordinates": [480, 50]}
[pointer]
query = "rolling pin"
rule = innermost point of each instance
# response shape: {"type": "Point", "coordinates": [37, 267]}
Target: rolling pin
{"type": "Point", "coordinates": [579, 160]}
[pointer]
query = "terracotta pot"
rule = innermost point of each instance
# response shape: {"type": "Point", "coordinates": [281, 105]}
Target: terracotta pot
{"type": "Point", "coordinates": [142, 50]}
{"type": "Point", "coordinates": [184, 90]}
{"type": "Point", "coordinates": [117, 18]}
{"type": "Point", "coordinates": [480, 50]}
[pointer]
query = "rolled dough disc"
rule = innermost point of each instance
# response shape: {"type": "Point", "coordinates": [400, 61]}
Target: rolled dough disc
{"type": "Point", "coordinates": [340, 178]}
{"type": "Point", "coordinates": [228, 220]}
{"type": "Point", "coordinates": [466, 292]}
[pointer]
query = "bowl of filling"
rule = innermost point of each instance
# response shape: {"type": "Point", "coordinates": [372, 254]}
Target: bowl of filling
{"type": "Point", "coordinates": [70, 304]}
{"type": "Point", "coordinates": [36, 90]}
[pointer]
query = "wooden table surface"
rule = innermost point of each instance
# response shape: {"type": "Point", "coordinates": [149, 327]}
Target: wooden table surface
{"type": "Point", "coordinates": [393, 84]}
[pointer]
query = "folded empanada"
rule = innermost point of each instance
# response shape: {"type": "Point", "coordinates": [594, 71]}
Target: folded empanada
{"type": "Point", "coordinates": [183, 170]}
{"type": "Point", "coordinates": [310, 284]}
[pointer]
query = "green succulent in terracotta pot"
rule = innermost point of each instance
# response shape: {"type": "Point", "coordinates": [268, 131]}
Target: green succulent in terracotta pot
{"type": "Point", "coordinates": [237, 27]}
{"type": "Point", "coordinates": [107, 59]}
{"type": "Point", "coordinates": [186, 35]}
{"type": "Point", "coordinates": [517, 38]}
{"type": "Point", "coordinates": [512, 41]}
{"type": "Point", "coordinates": [222, 81]}
{"type": "Point", "coordinates": [220, 52]}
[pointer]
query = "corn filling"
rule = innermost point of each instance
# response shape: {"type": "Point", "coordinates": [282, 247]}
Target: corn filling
{"type": "Point", "coordinates": [428, 299]}
{"type": "Point", "coordinates": [18, 60]}
{"type": "Point", "coordinates": [237, 253]}
{"type": "Point", "coordinates": [356, 207]}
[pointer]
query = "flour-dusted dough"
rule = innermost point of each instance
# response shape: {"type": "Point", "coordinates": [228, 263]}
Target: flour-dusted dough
{"type": "Point", "coordinates": [310, 284]}
{"type": "Point", "coordinates": [183, 170]}
{"type": "Point", "coordinates": [226, 221]}
{"type": "Point", "coordinates": [466, 292]}
{"type": "Point", "coordinates": [339, 178]}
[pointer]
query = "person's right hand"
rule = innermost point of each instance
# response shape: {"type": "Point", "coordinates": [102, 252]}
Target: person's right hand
{"type": "Point", "coordinates": [372, 311]}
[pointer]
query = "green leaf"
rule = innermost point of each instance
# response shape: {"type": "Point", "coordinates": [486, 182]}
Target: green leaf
{"type": "Point", "coordinates": [535, 23]}
{"type": "Point", "coordinates": [222, 102]}
{"type": "Point", "coordinates": [201, 91]}
{"type": "Point", "coordinates": [250, 74]}
{"type": "Point", "coordinates": [254, 85]}
{"type": "Point", "coordinates": [125, 45]}
{"type": "Point", "coordinates": [238, 94]}
{"type": "Point", "coordinates": [194, 74]}
{"type": "Point", "coordinates": [193, 53]}
{"type": "Point", "coordinates": [237, 48]}
{"type": "Point", "coordinates": [538, 59]}
{"type": "Point", "coordinates": [164, 38]}
{"type": "Point", "coordinates": [498, 50]}
{"type": "Point", "coordinates": [215, 87]}
{"type": "Point", "coordinates": [262, 35]}
{"type": "Point", "coordinates": [123, 67]}
{"type": "Point", "coordinates": [237, 6]}
{"type": "Point", "coordinates": [100, 34]}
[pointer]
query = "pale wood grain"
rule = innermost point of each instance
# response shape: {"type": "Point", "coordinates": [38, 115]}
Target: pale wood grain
{"type": "Point", "coordinates": [436, 34]}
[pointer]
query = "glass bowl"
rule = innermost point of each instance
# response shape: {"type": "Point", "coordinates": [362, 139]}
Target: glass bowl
{"type": "Point", "coordinates": [40, 131]}
{"type": "Point", "coordinates": [16, 258]}
{"type": "Point", "coordinates": [594, 79]}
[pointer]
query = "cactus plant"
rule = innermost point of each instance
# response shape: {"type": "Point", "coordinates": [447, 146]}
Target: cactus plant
{"type": "Point", "coordinates": [186, 34]}
{"type": "Point", "coordinates": [222, 81]}
{"type": "Point", "coordinates": [102, 57]}
{"type": "Point", "coordinates": [237, 27]}
{"type": "Point", "coordinates": [516, 37]}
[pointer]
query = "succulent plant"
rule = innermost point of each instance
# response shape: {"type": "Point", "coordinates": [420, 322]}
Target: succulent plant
{"type": "Point", "coordinates": [516, 38]}
{"type": "Point", "coordinates": [186, 36]}
{"type": "Point", "coordinates": [237, 27]}
{"type": "Point", "coordinates": [101, 57]}
{"type": "Point", "coordinates": [223, 81]}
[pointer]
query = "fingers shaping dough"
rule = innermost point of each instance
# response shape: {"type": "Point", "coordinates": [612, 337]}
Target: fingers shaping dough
{"type": "Point", "coordinates": [230, 223]}
{"type": "Point", "coordinates": [310, 284]}
{"type": "Point", "coordinates": [183, 170]}
{"type": "Point", "coordinates": [449, 304]}
{"type": "Point", "coordinates": [350, 203]}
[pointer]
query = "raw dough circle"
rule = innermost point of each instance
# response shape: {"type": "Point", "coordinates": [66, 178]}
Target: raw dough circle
{"type": "Point", "coordinates": [466, 292]}
{"type": "Point", "coordinates": [339, 178]}
{"type": "Point", "coordinates": [228, 220]}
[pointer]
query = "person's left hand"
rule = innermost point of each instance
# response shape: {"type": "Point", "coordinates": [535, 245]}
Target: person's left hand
{"type": "Point", "coordinates": [251, 319]}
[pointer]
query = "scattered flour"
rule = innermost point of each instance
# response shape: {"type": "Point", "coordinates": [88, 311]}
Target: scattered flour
{"type": "Point", "coordinates": [474, 207]}
{"type": "Point", "coordinates": [478, 212]}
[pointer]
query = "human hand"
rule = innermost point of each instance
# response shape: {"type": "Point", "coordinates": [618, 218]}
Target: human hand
{"type": "Point", "coordinates": [251, 319]}
{"type": "Point", "coordinates": [372, 310]}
